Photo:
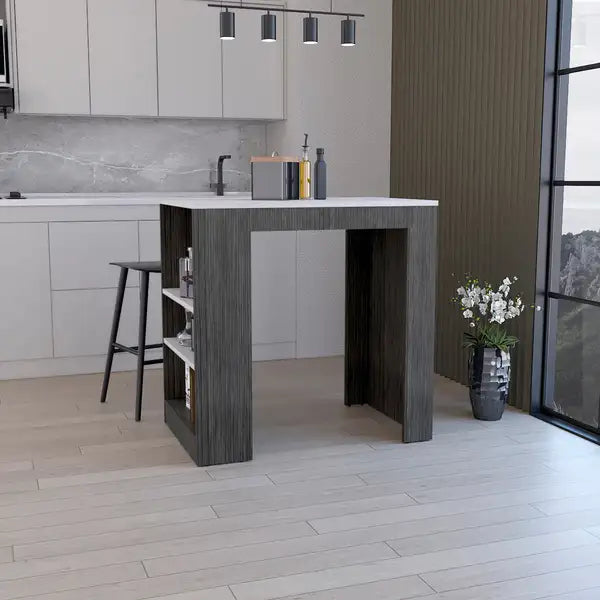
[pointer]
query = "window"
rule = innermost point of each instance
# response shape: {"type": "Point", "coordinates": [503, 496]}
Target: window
{"type": "Point", "coordinates": [571, 369]}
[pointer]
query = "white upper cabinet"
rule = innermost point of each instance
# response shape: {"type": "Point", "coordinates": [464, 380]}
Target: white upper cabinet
{"type": "Point", "coordinates": [52, 62]}
{"type": "Point", "coordinates": [146, 58]}
{"type": "Point", "coordinates": [189, 59]}
{"type": "Point", "coordinates": [253, 70]}
{"type": "Point", "coordinates": [122, 49]}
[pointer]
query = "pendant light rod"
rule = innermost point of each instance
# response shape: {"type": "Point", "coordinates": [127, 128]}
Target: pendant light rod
{"type": "Point", "coordinates": [239, 6]}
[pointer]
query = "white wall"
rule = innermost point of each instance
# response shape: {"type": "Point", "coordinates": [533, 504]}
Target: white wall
{"type": "Point", "coordinates": [341, 97]}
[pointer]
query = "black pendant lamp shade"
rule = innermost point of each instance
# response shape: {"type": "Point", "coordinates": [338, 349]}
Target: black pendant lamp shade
{"type": "Point", "coordinates": [227, 25]}
{"type": "Point", "coordinates": [311, 30]}
{"type": "Point", "coordinates": [269, 28]}
{"type": "Point", "coordinates": [349, 32]}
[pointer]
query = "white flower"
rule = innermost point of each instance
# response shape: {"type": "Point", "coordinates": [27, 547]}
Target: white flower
{"type": "Point", "coordinates": [483, 308]}
{"type": "Point", "coordinates": [467, 302]}
{"type": "Point", "coordinates": [468, 314]}
{"type": "Point", "coordinates": [461, 291]}
{"type": "Point", "coordinates": [471, 324]}
{"type": "Point", "coordinates": [506, 281]}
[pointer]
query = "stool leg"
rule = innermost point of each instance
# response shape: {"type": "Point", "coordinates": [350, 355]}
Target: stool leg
{"type": "Point", "coordinates": [114, 331]}
{"type": "Point", "coordinates": [141, 343]}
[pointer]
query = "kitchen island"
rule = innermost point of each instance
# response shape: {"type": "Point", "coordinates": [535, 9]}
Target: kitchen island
{"type": "Point", "coordinates": [391, 247]}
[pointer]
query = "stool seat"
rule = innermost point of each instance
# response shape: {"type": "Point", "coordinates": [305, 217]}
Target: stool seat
{"type": "Point", "coordinates": [114, 347]}
{"type": "Point", "coordinates": [145, 267]}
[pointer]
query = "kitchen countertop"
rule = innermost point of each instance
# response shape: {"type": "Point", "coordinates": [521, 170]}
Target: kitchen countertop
{"type": "Point", "coordinates": [115, 199]}
{"type": "Point", "coordinates": [200, 200]}
{"type": "Point", "coordinates": [239, 203]}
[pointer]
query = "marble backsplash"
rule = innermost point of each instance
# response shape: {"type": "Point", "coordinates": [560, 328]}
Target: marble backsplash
{"type": "Point", "coordinates": [85, 155]}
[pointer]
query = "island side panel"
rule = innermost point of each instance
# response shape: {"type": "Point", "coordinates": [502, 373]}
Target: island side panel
{"type": "Point", "coordinates": [222, 272]}
{"type": "Point", "coordinates": [376, 271]}
{"type": "Point", "coordinates": [420, 325]}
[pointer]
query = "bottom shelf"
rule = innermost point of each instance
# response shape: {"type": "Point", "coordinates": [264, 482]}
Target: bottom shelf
{"type": "Point", "coordinates": [178, 418]}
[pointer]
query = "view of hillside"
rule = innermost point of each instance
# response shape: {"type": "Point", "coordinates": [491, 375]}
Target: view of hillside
{"type": "Point", "coordinates": [577, 379]}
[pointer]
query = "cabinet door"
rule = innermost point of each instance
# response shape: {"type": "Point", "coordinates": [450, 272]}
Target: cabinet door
{"type": "Point", "coordinates": [52, 63]}
{"type": "Point", "coordinates": [83, 318]}
{"type": "Point", "coordinates": [123, 78]}
{"type": "Point", "coordinates": [189, 59]}
{"type": "Point", "coordinates": [25, 309]}
{"type": "Point", "coordinates": [150, 250]}
{"type": "Point", "coordinates": [273, 287]}
{"type": "Point", "coordinates": [253, 70]}
{"type": "Point", "coordinates": [81, 253]}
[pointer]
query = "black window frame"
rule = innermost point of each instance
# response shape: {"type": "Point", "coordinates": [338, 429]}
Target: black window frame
{"type": "Point", "coordinates": [554, 130]}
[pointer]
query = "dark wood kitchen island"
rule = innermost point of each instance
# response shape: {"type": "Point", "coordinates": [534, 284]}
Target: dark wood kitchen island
{"type": "Point", "coordinates": [391, 256]}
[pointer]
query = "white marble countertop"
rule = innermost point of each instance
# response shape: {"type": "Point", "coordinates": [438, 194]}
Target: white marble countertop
{"type": "Point", "coordinates": [239, 203]}
{"type": "Point", "coordinates": [116, 199]}
{"type": "Point", "coordinates": [200, 200]}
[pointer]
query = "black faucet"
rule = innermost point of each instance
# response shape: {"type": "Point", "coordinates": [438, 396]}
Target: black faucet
{"type": "Point", "coordinates": [220, 185]}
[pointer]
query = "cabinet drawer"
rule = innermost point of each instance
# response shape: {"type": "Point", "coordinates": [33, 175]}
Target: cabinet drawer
{"type": "Point", "coordinates": [82, 319]}
{"type": "Point", "coordinates": [80, 253]}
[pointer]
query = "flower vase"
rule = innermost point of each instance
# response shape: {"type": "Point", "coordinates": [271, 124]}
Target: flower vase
{"type": "Point", "coordinates": [489, 380]}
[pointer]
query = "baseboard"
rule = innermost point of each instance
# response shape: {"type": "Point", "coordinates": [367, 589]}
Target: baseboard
{"type": "Point", "coordinates": [280, 351]}
{"type": "Point", "coordinates": [81, 365]}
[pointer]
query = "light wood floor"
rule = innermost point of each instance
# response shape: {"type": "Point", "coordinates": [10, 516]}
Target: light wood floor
{"type": "Point", "coordinates": [94, 506]}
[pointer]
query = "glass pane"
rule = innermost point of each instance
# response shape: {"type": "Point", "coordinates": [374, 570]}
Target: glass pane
{"type": "Point", "coordinates": [579, 274]}
{"type": "Point", "coordinates": [583, 123]}
{"type": "Point", "coordinates": [577, 376]}
{"type": "Point", "coordinates": [585, 32]}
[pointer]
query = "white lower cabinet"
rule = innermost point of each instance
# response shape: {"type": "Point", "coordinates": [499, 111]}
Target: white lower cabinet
{"type": "Point", "coordinates": [25, 313]}
{"type": "Point", "coordinates": [82, 321]}
{"type": "Point", "coordinates": [274, 287]}
{"type": "Point", "coordinates": [81, 253]}
{"type": "Point", "coordinates": [149, 232]}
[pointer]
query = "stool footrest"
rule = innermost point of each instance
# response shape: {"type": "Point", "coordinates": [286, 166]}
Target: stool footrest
{"type": "Point", "coordinates": [133, 349]}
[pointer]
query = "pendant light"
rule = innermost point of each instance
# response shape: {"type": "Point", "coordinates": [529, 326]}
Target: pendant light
{"type": "Point", "coordinates": [311, 30]}
{"type": "Point", "coordinates": [269, 28]}
{"type": "Point", "coordinates": [348, 32]}
{"type": "Point", "coordinates": [227, 25]}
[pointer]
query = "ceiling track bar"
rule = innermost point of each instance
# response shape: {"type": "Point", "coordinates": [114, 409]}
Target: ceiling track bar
{"type": "Point", "coordinates": [285, 10]}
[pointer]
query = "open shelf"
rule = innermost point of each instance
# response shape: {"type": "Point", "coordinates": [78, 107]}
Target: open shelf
{"type": "Point", "coordinates": [173, 294]}
{"type": "Point", "coordinates": [185, 354]}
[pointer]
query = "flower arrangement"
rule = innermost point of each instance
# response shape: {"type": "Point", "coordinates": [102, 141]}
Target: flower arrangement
{"type": "Point", "coordinates": [487, 310]}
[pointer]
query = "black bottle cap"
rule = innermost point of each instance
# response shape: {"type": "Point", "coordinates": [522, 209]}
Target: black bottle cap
{"type": "Point", "coordinates": [320, 150]}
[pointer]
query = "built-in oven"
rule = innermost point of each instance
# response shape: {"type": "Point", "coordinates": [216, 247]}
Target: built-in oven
{"type": "Point", "coordinates": [3, 53]}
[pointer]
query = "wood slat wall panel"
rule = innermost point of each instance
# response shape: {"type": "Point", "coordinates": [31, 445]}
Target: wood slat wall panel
{"type": "Point", "coordinates": [466, 129]}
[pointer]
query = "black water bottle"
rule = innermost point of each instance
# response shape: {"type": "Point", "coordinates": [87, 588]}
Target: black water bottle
{"type": "Point", "coordinates": [320, 176]}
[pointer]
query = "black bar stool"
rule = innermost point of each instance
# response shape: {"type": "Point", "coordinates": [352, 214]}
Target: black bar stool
{"type": "Point", "coordinates": [145, 268]}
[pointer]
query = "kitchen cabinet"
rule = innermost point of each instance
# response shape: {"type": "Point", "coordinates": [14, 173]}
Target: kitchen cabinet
{"type": "Point", "coordinates": [274, 287]}
{"type": "Point", "coordinates": [52, 58]}
{"type": "Point", "coordinates": [82, 318]}
{"type": "Point", "coordinates": [189, 59]}
{"type": "Point", "coordinates": [80, 253]}
{"type": "Point", "coordinates": [145, 58]}
{"type": "Point", "coordinates": [122, 54]}
{"type": "Point", "coordinates": [25, 306]}
{"type": "Point", "coordinates": [253, 70]}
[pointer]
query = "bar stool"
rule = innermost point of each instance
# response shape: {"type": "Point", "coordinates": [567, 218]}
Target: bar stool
{"type": "Point", "coordinates": [145, 268]}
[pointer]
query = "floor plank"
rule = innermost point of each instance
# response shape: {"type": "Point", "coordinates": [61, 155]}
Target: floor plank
{"type": "Point", "coordinates": [334, 507]}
